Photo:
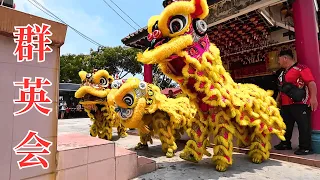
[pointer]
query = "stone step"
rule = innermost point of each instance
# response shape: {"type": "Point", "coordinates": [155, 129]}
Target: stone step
{"type": "Point", "coordinates": [146, 165]}
{"type": "Point", "coordinates": [126, 164]}
{"type": "Point", "coordinates": [82, 157]}
{"type": "Point", "coordinates": [129, 165]}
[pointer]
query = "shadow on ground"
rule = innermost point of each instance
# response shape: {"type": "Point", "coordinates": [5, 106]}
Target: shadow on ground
{"type": "Point", "coordinates": [176, 168]}
{"type": "Point", "coordinates": [155, 151]}
{"type": "Point", "coordinates": [115, 137]}
{"type": "Point", "coordinates": [205, 169]}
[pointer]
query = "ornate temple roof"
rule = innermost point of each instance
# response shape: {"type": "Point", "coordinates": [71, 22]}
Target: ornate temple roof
{"type": "Point", "coordinates": [138, 39]}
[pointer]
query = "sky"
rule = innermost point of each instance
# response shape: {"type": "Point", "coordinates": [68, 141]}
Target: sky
{"type": "Point", "coordinates": [95, 19]}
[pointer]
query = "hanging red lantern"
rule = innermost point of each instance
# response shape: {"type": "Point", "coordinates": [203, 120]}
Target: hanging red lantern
{"type": "Point", "coordinates": [284, 10]}
{"type": "Point", "coordinates": [235, 36]}
{"type": "Point", "coordinates": [288, 15]}
{"type": "Point", "coordinates": [260, 26]}
{"type": "Point", "coordinates": [254, 34]}
{"type": "Point", "coordinates": [252, 19]}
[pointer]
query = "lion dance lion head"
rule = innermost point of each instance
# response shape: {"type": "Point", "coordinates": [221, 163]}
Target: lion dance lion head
{"type": "Point", "coordinates": [176, 35]}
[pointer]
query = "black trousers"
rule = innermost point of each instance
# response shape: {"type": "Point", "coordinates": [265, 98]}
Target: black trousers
{"type": "Point", "coordinates": [301, 114]}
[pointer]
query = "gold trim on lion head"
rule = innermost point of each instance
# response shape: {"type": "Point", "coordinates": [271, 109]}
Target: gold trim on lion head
{"type": "Point", "coordinates": [94, 88]}
{"type": "Point", "coordinates": [178, 26]}
{"type": "Point", "coordinates": [135, 98]}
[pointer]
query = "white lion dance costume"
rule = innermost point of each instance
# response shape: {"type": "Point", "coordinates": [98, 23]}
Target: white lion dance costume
{"type": "Point", "coordinates": [180, 46]}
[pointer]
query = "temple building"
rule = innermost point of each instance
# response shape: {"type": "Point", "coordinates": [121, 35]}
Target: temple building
{"type": "Point", "coordinates": [250, 34]}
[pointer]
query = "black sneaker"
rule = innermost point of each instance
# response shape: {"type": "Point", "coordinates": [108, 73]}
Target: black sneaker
{"type": "Point", "coordinates": [303, 152]}
{"type": "Point", "coordinates": [283, 146]}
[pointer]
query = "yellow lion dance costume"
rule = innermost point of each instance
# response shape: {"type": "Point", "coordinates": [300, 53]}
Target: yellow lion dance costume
{"type": "Point", "coordinates": [142, 106]}
{"type": "Point", "coordinates": [95, 92]}
{"type": "Point", "coordinates": [181, 47]}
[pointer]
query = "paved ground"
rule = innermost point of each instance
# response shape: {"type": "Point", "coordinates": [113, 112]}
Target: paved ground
{"type": "Point", "coordinates": [175, 168]}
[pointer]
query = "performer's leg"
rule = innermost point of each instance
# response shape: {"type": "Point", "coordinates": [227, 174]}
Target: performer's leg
{"type": "Point", "coordinates": [196, 146]}
{"type": "Point", "coordinates": [169, 145]}
{"type": "Point", "coordinates": [122, 131]}
{"type": "Point", "coordinates": [289, 120]}
{"type": "Point", "coordinates": [143, 144]}
{"type": "Point", "coordinates": [302, 114]}
{"type": "Point", "coordinates": [101, 128]}
{"type": "Point", "coordinates": [242, 135]}
{"type": "Point", "coordinates": [223, 147]}
{"type": "Point", "coordinates": [177, 133]}
{"type": "Point", "coordinates": [260, 147]}
{"type": "Point", "coordinates": [107, 129]}
{"type": "Point", "coordinates": [162, 126]}
{"type": "Point", "coordinates": [93, 130]}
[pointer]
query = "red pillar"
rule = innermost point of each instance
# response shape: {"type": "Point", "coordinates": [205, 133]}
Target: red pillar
{"type": "Point", "coordinates": [307, 45]}
{"type": "Point", "coordinates": [147, 73]}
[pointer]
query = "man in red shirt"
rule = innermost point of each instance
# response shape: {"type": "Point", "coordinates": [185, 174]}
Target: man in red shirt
{"type": "Point", "coordinates": [296, 110]}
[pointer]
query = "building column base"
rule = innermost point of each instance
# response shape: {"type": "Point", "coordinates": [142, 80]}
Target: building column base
{"type": "Point", "coordinates": [315, 140]}
{"type": "Point", "coordinates": [148, 73]}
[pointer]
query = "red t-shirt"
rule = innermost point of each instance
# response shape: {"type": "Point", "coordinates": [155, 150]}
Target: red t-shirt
{"type": "Point", "coordinates": [299, 75]}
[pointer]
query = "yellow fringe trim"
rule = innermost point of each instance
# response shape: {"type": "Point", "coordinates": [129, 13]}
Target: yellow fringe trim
{"type": "Point", "coordinates": [101, 124]}
{"type": "Point", "coordinates": [167, 117]}
{"type": "Point", "coordinates": [243, 110]}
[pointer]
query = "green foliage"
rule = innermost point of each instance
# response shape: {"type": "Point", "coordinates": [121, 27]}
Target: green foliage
{"type": "Point", "coordinates": [116, 60]}
{"type": "Point", "coordinates": [71, 64]}
{"type": "Point", "coordinates": [162, 80]}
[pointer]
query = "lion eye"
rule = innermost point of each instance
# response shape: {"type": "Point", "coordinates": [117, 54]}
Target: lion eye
{"type": "Point", "coordinates": [128, 99]}
{"type": "Point", "coordinates": [155, 26]}
{"type": "Point", "coordinates": [89, 75]}
{"type": "Point", "coordinates": [116, 84]}
{"type": "Point", "coordinates": [104, 82]}
{"type": "Point", "coordinates": [142, 85]}
{"type": "Point", "coordinates": [177, 23]}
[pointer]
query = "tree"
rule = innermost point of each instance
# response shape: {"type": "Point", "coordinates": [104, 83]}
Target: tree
{"type": "Point", "coordinates": [71, 64]}
{"type": "Point", "coordinates": [162, 80]}
{"type": "Point", "coordinates": [116, 60]}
